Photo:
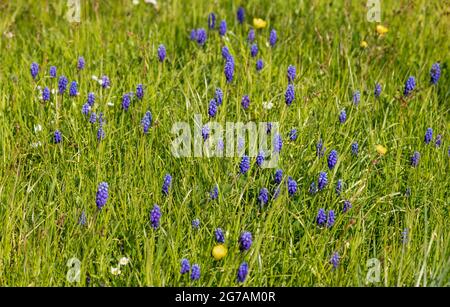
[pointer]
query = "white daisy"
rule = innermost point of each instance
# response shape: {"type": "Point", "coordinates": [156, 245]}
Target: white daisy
{"type": "Point", "coordinates": [267, 105]}
{"type": "Point", "coordinates": [36, 144]}
{"type": "Point", "coordinates": [37, 128]}
{"type": "Point", "coordinates": [124, 261]}
{"type": "Point", "coordinates": [115, 271]}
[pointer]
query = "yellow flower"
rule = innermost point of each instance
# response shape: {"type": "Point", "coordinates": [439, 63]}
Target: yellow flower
{"type": "Point", "coordinates": [381, 149]}
{"type": "Point", "coordinates": [363, 44]}
{"type": "Point", "coordinates": [219, 251]}
{"type": "Point", "coordinates": [258, 23]}
{"type": "Point", "coordinates": [382, 30]}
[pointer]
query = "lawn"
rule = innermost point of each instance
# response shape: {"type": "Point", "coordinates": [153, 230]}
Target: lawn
{"type": "Point", "coordinates": [92, 194]}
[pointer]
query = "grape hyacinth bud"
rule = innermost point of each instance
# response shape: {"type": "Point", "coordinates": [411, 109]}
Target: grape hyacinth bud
{"type": "Point", "coordinates": [331, 218]}
{"type": "Point", "coordinates": [277, 143]}
{"type": "Point", "coordinates": [205, 132]}
{"type": "Point", "coordinates": [260, 158]}
{"type": "Point", "coordinates": [240, 15]}
{"type": "Point", "coordinates": [339, 187]}
{"type": "Point", "coordinates": [212, 110]}
{"type": "Point", "coordinates": [254, 50]}
{"type": "Point", "coordinates": [290, 94]}
{"type": "Point", "coordinates": [332, 159]}
{"type": "Point", "coordinates": [428, 136]}
{"type": "Point", "coordinates": [273, 38]}
{"type": "Point", "coordinates": [62, 84]}
{"type": "Point", "coordinates": [126, 100]}
{"type": "Point", "coordinates": [218, 233]}
{"type": "Point", "coordinates": [218, 96]}
{"type": "Point", "coordinates": [342, 116]}
{"type": "Point", "coordinates": [245, 102]}
{"type": "Point", "coordinates": [377, 91]}
{"type": "Point", "coordinates": [211, 20]}
{"type": "Point", "coordinates": [201, 36]}
{"type": "Point", "coordinates": [292, 186]}
{"type": "Point", "coordinates": [229, 69]}
{"type": "Point", "coordinates": [195, 272]}
{"type": "Point", "coordinates": [100, 132]}
{"type": "Point", "coordinates": [293, 135]}
{"type": "Point", "coordinates": [321, 217]}
{"type": "Point", "coordinates": [244, 166]}
{"type": "Point", "coordinates": [242, 272]}
{"type": "Point", "coordinates": [85, 109]}
{"type": "Point", "coordinates": [223, 28]}
{"type": "Point", "coordinates": [347, 206]}
{"type": "Point", "coordinates": [100, 118]}
{"type": "Point", "coordinates": [291, 72]}
{"type": "Point", "coordinates": [251, 36]}
{"type": "Point", "coordinates": [91, 99]}
{"type": "Point", "coordinates": [196, 223]}
{"type": "Point", "coordinates": [57, 137]}
{"type": "Point", "coordinates": [82, 220]}
{"type": "Point", "coordinates": [355, 148]}
{"type": "Point", "coordinates": [73, 90]}
{"type": "Point", "coordinates": [161, 53]}
{"type": "Point", "coordinates": [276, 193]}
{"type": "Point", "coordinates": [313, 188]}
{"type": "Point", "coordinates": [34, 70]}
{"type": "Point", "coordinates": [185, 266]}
{"type": "Point", "coordinates": [335, 260]}
{"type": "Point", "coordinates": [105, 82]}
{"type": "Point", "coordinates": [52, 71]}
{"type": "Point", "coordinates": [259, 65]}
{"type": "Point", "coordinates": [102, 195]}
{"type": "Point", "coordinates": [214, 193]}
{"type": "Point", "coordinates": [146, 121]}
{"type": "Point", "coordinates": [320, 150]}
{"type": "Point", "coordinates": [80, 63]}
{"type": "Point", "coordinates": [278, 176]}
{"type": "Point", "coordinates": [415, 159]}
{"type": "Point", "coordinates": [140, 91]}
{"type": "Point", "coordinates": [438, 140]}
{"type": "Point", "coordinates": [269, 128]}
{"type": "Point", "coordinates": [263, 196]}
{"type": "Point", "coordinates": [245, 241]}
{"type": "Point", "coordinates": [410, 84]}
{"type": "Point", "coordinates": [193, 35]}
{"type": "Point", "coordinates": [93, 118]}
{"type": "Point", "coordinates": [166, 184]}
{"type": "Point", "coordinates": [323, 180]}
{"type": "Point", "coordinates": [435, 73]}
{"type": "Point", "coordinates": [356, 97]}
{"type": "Point", "coordinates": [155, 216]}
{"type": "Point", "coordinates": [46, 94]}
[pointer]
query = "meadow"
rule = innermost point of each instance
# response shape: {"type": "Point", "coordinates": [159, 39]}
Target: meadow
{"type": "Point", "coordinates": [92, 195]}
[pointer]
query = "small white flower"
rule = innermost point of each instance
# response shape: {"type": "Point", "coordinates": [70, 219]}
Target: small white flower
{"type": "Point", "coordinates": [135, 2]}
{"type": "Point", "coordinates": [37, 128]}
{"type": "Point", "coordinates": [36, 144]}
{"type": "Point", "coordinates": [151, 2]}
{"type": "Point", "coordinates": [100, 81]}
{"type": "Point", "coordinates": [9, 34]}
{"type": "Point", "coordinates": [94, 78]}
{"type": "Point", "coordinates": [267, 105]}
{"type": "Point", "coordinates": [53, 91]}
{"type": "Point", "coordinates": [38, 88]}
{"type": "Point", "coordinates": [124, 261]}
{"type": "Point", "coordinates": [110, 104]}
{"type": "Point", "coordinates": [115, 271]}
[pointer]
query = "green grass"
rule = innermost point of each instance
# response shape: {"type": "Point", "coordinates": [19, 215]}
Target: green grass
{"type": "Point", "coordinates": [43, 190]}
